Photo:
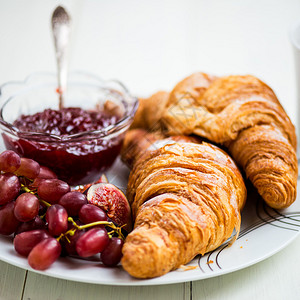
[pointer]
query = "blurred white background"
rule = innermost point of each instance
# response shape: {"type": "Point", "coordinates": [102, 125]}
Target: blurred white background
{"type": "Point", "coordinates": [151, 45]}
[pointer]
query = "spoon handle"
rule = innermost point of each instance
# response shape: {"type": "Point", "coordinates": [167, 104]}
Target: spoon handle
{"type": "Point", "coordinates": [61, 31]}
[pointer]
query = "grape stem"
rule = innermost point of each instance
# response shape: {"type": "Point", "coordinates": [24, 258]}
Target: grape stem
{"type": "Point", "coordinates": [26, 189]}
{"type": "Point", "coordinates": [44, 202]}
{"type": "Point", "coordinates": [109, 224]}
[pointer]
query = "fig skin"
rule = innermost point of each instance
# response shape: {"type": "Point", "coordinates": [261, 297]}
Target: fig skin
{"type": "Point", "coordinates": [113, 201]}
{"type": "Point", "coordinates": [84, 188]}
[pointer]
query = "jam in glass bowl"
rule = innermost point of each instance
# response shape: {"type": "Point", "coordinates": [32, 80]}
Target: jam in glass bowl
{"type": "Point", "coordinates": [77, 142]}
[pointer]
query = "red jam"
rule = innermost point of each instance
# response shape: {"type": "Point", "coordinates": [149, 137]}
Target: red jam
{"type": "Point", "coordinates": [76, 162]}
{"type": "Point", "coordinates": [65, 121]}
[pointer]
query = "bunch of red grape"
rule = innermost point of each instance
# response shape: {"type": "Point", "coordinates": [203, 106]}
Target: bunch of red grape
{"type": "Point", "coordinates": [48, 219]}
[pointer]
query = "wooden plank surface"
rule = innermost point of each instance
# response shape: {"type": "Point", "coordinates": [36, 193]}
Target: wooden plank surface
{"type": "Point", "coordinates": [12, 281]}
{"type": "Point", "coordinates": [47, 288]}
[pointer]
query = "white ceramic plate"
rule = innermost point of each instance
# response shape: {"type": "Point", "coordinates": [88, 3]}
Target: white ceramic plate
{"type": "Point", "coordinates": [264, 232]}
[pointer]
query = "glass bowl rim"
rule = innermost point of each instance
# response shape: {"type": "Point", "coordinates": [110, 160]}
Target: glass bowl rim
{"type": "Point", "coordinates": [130, 109]}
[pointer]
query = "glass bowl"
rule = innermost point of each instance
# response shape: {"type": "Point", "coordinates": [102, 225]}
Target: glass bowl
{"type": "Point", "coordinates": [78, 158]}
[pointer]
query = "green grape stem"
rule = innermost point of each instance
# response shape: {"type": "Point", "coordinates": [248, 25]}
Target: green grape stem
{"type": "Point", "coordinates": [26, 189]}
{"type": "Point", "coordinates": [109, 224]}
{"type": "Point", "coordinates": [45, 202]}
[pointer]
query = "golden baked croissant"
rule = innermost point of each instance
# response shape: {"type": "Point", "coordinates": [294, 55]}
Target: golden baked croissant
{"type": "Point", "coordinates": [242, 113]}
{"type": "Point", "coordinates": [149, 115]}
{"type": "Point", "coordinates": [185, 197]}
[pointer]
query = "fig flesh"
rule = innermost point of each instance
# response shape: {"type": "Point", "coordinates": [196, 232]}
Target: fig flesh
{"type": "Point", "coordinates": [112, 200]}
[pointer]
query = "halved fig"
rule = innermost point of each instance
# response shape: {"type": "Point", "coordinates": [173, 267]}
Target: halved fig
{"type": "Point", "coordinates": [84, 188]}
{"type": "Point", "coordinates": [112, 200]}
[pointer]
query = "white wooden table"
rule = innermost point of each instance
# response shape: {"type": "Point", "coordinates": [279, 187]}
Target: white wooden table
{"type": "Point", "coordinates": [150, 46]}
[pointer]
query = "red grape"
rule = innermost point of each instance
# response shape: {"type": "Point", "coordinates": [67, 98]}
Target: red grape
{"type": "Point", "coordinates": [57, 218]}
{"type": "Point", "coordinates": [26, 207]}
{"type": "Point", "coordinates": [8, 221]}
{"type": "Point", "coordinates": [46, 173]}
{"type": "Point", "coordinates": [72, 202]}
{"type": "Point", "coordinates": [36, 223]}
{"type": "Point", "coordinates": [9, 187]}
{"type": "Point", "coordinates": [42, 209]}
{"type": "Point", "coordinates": [51, 190]}
{"type": "Point", "coordinates": [44, 254]}
{"type": "Point", "coordinates": [29, 168]}
{"type": "Point", "coordinates": [112, 254]}
{"type": "Point", "coordinates": [90, 213]}
{"type": "Point", "coordinates": [25, 241]}
{"type": "Point", "coordinates": [92, 242]}
{"type": "Point", "coordinates": [10, 161]}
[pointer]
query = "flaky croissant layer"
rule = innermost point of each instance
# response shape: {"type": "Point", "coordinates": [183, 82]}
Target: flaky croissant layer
{"type": "Point", "coordinates": [186, 199]}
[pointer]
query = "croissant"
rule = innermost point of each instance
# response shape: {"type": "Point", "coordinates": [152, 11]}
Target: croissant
{"type": "Point", "coordinates": [243, 114]}
{"type": "Point", "coordinates": [186, 197]}
{"type": "Point", "coordinates": [148, 115]}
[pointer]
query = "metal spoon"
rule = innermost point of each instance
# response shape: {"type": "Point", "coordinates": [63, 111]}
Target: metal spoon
{"type": "Point", "coordinates": [61, 31]}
